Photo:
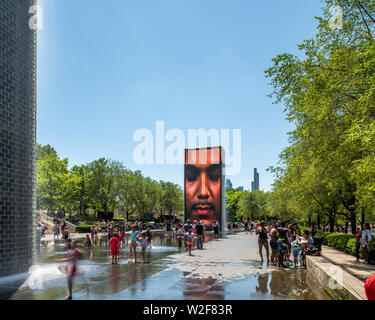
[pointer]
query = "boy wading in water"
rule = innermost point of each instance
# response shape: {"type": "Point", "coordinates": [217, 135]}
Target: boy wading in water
{"type": "Point", "coordinates": [189, 241]}
{"type": "Point", "coordinates": [133, 237]}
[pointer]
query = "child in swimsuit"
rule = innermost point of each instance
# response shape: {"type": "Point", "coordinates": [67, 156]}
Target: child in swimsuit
{"type": "Point", "coordinates": [133, 237]}
{"type": "Point", "coordinates": [144, 244]}
{"type": "Point", "coordinates": [189, 237]}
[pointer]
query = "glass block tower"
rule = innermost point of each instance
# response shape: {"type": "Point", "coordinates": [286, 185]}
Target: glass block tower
{"type": "Point", "coordinates": [17, 136]}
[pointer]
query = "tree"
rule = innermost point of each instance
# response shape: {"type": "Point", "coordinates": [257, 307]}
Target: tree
{"type": "Point", "coordinates": [50, 177]}
{"type": "Point", "coordinates": [329, 96]}
{"type": "Point", "coordinates": [104, 186]}
{"type": "Point", "coordinates": [232, 198]}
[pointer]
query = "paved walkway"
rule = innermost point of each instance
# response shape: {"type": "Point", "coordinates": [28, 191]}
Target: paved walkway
{"type": "Point", "coordinates": [348, 262]}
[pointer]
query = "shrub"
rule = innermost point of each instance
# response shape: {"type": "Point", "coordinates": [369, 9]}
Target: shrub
{"type": "Point", "coordinates": [83, 229]}
{"type": "Point", "coordinates": [338, 240]}
{"type": "Point", "coordinates": [350, 246]}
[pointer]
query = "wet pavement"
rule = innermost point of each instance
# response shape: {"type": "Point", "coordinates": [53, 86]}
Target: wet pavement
{"type": "Point", "coordinates": [225, 269]}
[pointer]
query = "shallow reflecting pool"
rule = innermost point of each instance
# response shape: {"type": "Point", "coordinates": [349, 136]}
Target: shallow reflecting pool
{"type": "Point", "coordinates": [217, 272]}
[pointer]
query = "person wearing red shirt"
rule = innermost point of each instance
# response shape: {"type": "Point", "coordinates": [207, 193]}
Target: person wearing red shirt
{"type": "Point", "coordinates": [370, 288]}
{"type": "Point", "coordinates": [115, 246]}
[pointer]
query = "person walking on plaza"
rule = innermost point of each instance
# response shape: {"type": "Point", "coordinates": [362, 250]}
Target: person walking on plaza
{"type": "Point", "coordinates": [216, 227]}
{"type": "Point", "coordinates": [365, 241]}
{"type": "Point", "coordinates": [357, 236]}
{"type": "Point", "coordinates": [199, 229]}
{"type": "Point", "coordinates": [263, 240]}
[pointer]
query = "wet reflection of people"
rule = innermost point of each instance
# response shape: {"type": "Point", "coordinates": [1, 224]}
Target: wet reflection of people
{"type": "Point", "coordinates": [114, 277]}
{"type": "Point", "coordinates": [203, 289]}
{"type": "Point", "coordinates": [262, 286]}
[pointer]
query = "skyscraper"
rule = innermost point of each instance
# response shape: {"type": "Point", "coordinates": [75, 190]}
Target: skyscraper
{"type": "Point", "coordinates": [228, 184]}
{"type": "Point", "coordinates": [255, 183]}
{"type": "Point", "coordinates": [17, 136]}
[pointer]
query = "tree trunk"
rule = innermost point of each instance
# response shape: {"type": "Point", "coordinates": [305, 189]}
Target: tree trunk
{"type": "Point", "coordinates": [332, 217]}
{"type": "Point", "coordinates": [346, 227]}
{"type": "Point", "coordinates": [353, 222]}
{"type": "Point", "coordinates": [309, 221]}
{"type": "Point", "coordinates": [318, 218]}
{"type": "Point", "coordinates": [363, 217]}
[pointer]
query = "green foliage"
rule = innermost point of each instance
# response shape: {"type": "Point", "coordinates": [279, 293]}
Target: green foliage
{"type": "Point", "coordinates": [350, 247]}
{"type": "Point", "coordinates": [232, 198]}
{"type": "Point", "coordinates": [52, 172]}
{"type": "Point", "coordinates": [101, 188]}
{"type": "Point", "coordinates": [328, 170]}
{"type": "Point", "coordinates": [84, 229]}
{"type": "Point", "coordinates": [338, 240]}
{"type": "Point", "coordinates": [246, 205]}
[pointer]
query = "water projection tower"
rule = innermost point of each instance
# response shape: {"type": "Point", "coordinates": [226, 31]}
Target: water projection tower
{"type": "Point", "coordinates": [204, 185]}
{"type": "Point", "coordinates": [17, 136]}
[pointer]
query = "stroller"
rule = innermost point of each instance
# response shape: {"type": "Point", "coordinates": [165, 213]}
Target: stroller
{"type": "Point", "coordinates": [316, 248]}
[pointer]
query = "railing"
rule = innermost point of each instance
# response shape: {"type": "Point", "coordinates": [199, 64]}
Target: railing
{"type": "Point", "coordinates": [70, 226]}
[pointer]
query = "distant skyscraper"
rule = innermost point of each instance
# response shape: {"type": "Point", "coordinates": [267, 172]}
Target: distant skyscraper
{"type": "Point", "coordinates": [240, 188]}
{"type": "Point", "coordinates": [255, 183]}
{"type": "Point", "coordinates": [228, 184]}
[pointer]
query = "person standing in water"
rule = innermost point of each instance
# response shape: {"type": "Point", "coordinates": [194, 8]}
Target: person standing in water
{"type": "Point", "coordinates": [71, 270]}
{"type": "Point", "coordinates": [144, 245]}
{"type": "Point", "coordinates": [133, 237]}
{"type": "Point", "coordinates": [180, 237]}
{"type": "Point", "coordinates": [148, 236]}
{"type": "Point", "coordinates": [115, 247]}
{"type": "Point", "coordinates": [189, 238]}
{"type": "Point", "coordinates": [263, 240]}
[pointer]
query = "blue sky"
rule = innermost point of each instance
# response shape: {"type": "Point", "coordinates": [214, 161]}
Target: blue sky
{"type": "Point", "coordinates": [108, 68]}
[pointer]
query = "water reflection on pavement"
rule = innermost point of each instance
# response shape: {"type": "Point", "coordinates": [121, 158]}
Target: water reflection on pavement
{"type": "Point", "coordinates": [166, 274]}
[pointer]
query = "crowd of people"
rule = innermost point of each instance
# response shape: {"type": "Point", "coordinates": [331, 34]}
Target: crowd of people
{"type": "Point", "coordinates": [281, 242]}
{"type": "Point", "coordinates": [132, 236]}
{"type": "Point", "coordinates": [285, 245]}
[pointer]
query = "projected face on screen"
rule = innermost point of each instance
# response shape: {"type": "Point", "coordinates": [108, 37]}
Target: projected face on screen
{"type": "Point", "coordinates": [203, 172]}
